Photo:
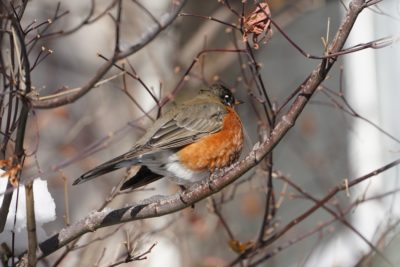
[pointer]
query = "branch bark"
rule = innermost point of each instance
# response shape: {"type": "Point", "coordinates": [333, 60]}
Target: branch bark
{"type": "Point", "coordinates": [54, 101]}
{"type": "Point", "coordinates": [158, 206]}
{"type": "Point", "coordinates": [22, 81]}
{"type": "Point", "coordinates": [19, 148]}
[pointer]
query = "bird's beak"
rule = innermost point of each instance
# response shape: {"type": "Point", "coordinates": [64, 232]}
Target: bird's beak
{"type": "Point", "coordinates": [238, 102]}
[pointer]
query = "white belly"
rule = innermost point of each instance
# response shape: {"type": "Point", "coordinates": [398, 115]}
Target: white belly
{"type": "Point", "coordinates": [178, 173]}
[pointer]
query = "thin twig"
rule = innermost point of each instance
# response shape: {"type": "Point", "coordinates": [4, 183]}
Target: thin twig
{"type": "Point", "coordinates": [149, 36]}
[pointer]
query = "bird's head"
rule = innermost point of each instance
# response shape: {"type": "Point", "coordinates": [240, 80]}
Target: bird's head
{"type": "Point", "coordinates": [223, 93]}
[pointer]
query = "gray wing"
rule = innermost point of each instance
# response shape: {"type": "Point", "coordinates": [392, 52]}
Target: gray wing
{"type": "Point", "coordinates": [189, 125]}
{"type": "Point", "coordinates": [171, 131]}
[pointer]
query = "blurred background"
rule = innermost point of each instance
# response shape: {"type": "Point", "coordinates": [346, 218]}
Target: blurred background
{"type": "Point", "coordinates": [329, 143]}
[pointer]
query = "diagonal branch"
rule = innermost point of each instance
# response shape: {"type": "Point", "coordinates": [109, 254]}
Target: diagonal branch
{"type": "Point", "coordinates": [52, 102]}
{"type": "Point", "coordinates": [158, 206]}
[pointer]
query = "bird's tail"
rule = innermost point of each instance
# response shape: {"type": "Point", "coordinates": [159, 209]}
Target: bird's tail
{"type": "Point", "coordinates": [122, 161]}
{"type": "Point", "coordinates": [143, 177]}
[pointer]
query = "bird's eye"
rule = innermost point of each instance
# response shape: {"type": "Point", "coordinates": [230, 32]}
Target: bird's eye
{"type": "Point", "coordinates": [228, 100]}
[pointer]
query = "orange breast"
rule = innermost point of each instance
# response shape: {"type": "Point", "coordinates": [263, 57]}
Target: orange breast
{"type": "Point", "coordinates": [217, 150]}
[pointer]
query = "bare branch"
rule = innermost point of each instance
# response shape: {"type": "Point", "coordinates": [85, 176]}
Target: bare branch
{"type": "Point", "coordinates": [319, 204]}
{"type": "Point", "coordinates": [159, 206]}
{"type": "Point", "coordinates": [165, 21]}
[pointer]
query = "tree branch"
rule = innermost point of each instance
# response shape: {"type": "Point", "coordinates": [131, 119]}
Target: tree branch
{"type": "Point", "coordinates": [56, 101]}
{"type": "Point", "coordinates": [158, 206]}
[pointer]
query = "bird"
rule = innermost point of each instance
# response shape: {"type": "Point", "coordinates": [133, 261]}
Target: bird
{"type": "Point", "coordinates": [187, 144]}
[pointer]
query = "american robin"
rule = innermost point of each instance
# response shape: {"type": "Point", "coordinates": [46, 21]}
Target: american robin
{"type": "Point", "coordinates": [186, 144]}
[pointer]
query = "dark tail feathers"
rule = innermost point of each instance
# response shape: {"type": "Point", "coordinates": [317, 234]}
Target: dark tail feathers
{"type": "Point", "coordinates": [143, 177]}
{"type": "Point", "coordinates": [109, 166]}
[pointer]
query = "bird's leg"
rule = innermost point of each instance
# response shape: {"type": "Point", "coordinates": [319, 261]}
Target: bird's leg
{"type": "Point", "coordinates": [214, 174]}
{"type": "Point", "coordinates": [210, 180]}
{"type": "Point", "coordinates": [183, 189]}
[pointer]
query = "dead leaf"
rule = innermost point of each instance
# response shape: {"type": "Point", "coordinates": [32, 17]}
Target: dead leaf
{"type": "Point", "coordinates": [257, 23]}
{"type": "Point", "coordinates": [10, 171]}
{"type": "Point", "coordinates": [239, 247]}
